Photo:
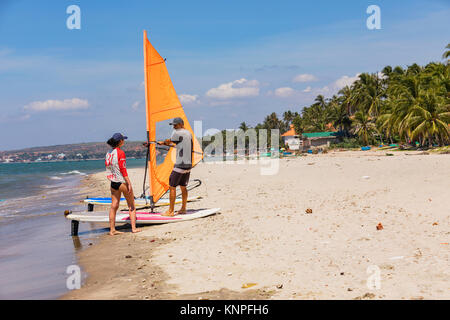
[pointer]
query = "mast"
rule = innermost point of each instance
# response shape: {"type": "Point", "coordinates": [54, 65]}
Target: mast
{"type": "Point", "coordinates": [147, 113]}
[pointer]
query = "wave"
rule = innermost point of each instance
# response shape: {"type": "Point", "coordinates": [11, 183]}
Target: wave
{"type": "Point", "coordinates": [74, 172]}
{"type": "Point", "coordinates": [8, 213]}
{"type": "Point", "coordinates": [55, 178]}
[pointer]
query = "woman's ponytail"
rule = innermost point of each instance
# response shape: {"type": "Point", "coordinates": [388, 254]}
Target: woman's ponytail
{"type": "Point", "coordinates": [113, 143]}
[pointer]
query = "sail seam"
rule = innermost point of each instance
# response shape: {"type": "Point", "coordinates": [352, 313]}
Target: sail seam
{"type": "Point", "coordinates": [152, 64]}
{"type": "Point", "coordinates": [166, 110]}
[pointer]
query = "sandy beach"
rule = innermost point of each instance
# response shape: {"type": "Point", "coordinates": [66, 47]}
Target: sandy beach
{"type": "Point", "coordinates": [264, 245]}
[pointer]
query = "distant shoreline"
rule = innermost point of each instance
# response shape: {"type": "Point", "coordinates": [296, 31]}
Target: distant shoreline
{"type": "Point", "coordinates": [69, 152]}
{"type": "Point", "coordinates": [52, 161]}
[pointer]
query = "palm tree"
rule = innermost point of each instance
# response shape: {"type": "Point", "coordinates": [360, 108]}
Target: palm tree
{"type": "Point", "coordinates": [321, 101]}
{"type": "Point", "coordinates": [404, 92]}
{"type": "Point", "coordinates": [387, 71]}
{"type": "Point", "coordinates": [298, 125]}
{"type": "Point", "coordinates": [429, 119]}
{"type": "Point", "coordinates": [288, 116]}
{"type": "Point", "coordinates": [369, 92]}
{"type": "Point", "coordinates": [437, 75]}
{"type": "Point", "coordinates": [243, 126]}
{"type": "Point", "coordinates": [315, 118]}
{"type": "Point", "coordinates": [364, 126]}
{"type": "Point", "coordinates": [446, 54]}
{"type": "Point", "coordinates": [387, 121]}
{"type": "Point", "coordinates": [414, 69]}
{"type": "Point", "coordinates": [403, 104]}
{"type": "Point", "coordinates": [348, 98]}
{"type": "Point", "coordinates": [272, 122]}
{"type": "Point", "coordinates": [398, 70]}
{"type": "Point", "coordinates": [339, 116]}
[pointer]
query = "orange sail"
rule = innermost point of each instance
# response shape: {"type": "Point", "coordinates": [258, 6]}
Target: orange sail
{"type": "Point", "coordinates": [162, 104]}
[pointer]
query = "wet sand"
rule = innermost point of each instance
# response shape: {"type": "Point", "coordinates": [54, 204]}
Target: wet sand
{"type": "Point", "coordinates": [264, 235]}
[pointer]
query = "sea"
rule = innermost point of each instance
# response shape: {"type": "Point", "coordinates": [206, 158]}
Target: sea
{"type": "Point", "coordinates": [36, 248]}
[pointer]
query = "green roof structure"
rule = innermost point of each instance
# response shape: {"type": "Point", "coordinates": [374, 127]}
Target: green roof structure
{"type": "Point", "coordinates": [319, 134]}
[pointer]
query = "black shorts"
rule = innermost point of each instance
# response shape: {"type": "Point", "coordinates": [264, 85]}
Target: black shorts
{"type": "Point", "coordinates": [179, 179]}
{"type": "Point", "coordinates": [115, 185]}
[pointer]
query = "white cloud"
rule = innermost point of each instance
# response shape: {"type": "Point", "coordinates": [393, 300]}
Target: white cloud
{"type": "Point", "coordinates": [188, 98]}
{"type": "Point", "coordinates": [57, 105]}
{"type": "Point", "coordinates": [284, 92]}
{"type": "Point", "coordinates": [136, 105]}
{"type": "Point", "coordinates": [305, 78]}
{"type": "Point", "coordinates": [323, 90]}
{"type": "Point", "coordinates": [235, 89]}
{"type": "Point", "coordinates": [345, 81]}
{"type": "Point", "coordinates": [331, 88]}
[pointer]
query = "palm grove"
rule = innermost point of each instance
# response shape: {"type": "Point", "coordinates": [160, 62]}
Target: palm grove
{"type": "Point", "coordinates": [407, 105]}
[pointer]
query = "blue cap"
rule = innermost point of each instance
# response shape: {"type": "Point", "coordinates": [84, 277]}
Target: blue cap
{"type": "Point", "coordinates": [118, 137]}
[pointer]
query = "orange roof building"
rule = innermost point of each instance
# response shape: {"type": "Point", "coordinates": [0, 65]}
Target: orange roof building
{"type": "Point", "coordinates": [290, 133]}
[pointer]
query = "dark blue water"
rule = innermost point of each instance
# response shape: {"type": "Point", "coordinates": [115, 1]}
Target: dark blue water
{"type": "Point", "coordinates": [35, 243]}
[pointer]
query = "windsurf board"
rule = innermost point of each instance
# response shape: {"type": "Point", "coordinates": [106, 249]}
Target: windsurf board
{"type": "Point", "coordinates": [141, 217]}
{"type": "Point", "coordinates": [106, 201]}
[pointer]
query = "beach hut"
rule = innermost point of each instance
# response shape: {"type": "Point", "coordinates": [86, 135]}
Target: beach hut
{"type": "Point", "coordinates": [318, 139]}
{"type": "Point", "coordinates": [292, 139]}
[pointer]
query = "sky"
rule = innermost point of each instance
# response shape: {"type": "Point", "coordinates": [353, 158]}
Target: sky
{"type": "Point", "coordinates": [230, 61]}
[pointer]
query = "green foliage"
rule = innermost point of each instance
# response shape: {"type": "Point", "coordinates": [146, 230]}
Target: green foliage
{"type": "Point", "coordinates": [397, 105]}
{"type": "Point", "coordinates": [347, 143]}
{"type": "Point", "coordinates": [446, 54]}
{"type": "Point", "coordinates": [403, 105]}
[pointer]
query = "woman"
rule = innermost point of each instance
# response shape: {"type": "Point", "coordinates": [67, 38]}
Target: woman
{"type": "Point", "coordinates": [115, 163]}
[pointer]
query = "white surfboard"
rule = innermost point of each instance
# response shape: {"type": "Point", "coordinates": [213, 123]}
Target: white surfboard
{"type": "Point", "coordinates": [141, 217]}
{"type": "Point", "coordinates": [106, 201]}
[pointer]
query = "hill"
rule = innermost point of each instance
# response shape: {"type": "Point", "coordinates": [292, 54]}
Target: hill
{"type": "Point", "coordinates": [79, 151]}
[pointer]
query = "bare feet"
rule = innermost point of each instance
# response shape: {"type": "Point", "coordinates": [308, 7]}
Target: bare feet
{"type": "Point", "coordinates": [136, 230]}
{"type": "Point", "coordinates": [168, 213]}
{"type": "Point", "coordinates": [182, 211]}
{"type": "Point", "coordinates": [114, 232]}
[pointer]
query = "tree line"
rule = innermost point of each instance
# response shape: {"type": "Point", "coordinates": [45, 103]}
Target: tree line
{"type": "Point", "coordinates": [406, 105]}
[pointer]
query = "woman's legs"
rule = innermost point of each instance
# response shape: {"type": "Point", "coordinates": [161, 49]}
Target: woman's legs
{"type": "Point", "coordinates": [129, 196]}
{"type": "Point", "coordinates": [115, 200]}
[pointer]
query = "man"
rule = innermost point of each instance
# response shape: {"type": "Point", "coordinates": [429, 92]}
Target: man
{"type": "Point", "coordinates": [182, 140]}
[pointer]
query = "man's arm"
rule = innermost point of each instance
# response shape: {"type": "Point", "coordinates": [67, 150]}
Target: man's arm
{"type": "Point", "coordinates": [169, 143]}
{"type": "Point", "coordinates": [166, 142]}
{"type": "Point", "coordinates": [174, 139]}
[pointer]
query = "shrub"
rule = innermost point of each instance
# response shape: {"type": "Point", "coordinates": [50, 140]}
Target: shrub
{"type": "Point", "coordinates": [347, 143]}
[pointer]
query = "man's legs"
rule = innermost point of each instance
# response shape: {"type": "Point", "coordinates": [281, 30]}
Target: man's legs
{"type": "Point", "coordinates": [172, 197]}
{"type": "Point", "coordinates": [184, 196]}
{"type": "Point", "coordinates": [184, 193]}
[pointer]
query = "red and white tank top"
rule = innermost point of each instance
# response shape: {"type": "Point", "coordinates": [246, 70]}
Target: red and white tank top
{"type": "Point", "coordinates": [116, 168]}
